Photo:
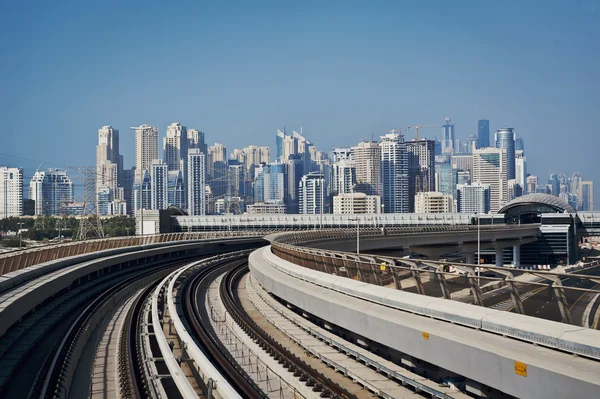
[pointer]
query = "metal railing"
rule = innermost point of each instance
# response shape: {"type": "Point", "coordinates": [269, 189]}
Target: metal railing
{"type": "Point", "coordinates": [545, 294]}
{"type": "Point", "coordinates": [13, 261]}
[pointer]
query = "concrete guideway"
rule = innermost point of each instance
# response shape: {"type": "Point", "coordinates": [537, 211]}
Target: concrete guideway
{"type": "Point", "coordinates": [480, 356]}
{"type": "Point", "coordinates": [352, 360]}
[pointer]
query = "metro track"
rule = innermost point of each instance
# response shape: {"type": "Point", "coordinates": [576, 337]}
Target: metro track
{"type": "Point", "coordinates": [192, 296]}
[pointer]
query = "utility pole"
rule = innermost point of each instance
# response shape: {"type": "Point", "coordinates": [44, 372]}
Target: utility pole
{"type": "Point", "coordinates": [20, 233]}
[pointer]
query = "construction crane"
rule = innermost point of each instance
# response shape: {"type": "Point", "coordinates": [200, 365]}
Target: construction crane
{"type": "Point", "coordinates": [417, 127]}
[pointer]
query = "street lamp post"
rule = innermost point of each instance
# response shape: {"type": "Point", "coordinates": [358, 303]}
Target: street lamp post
{"type": "Point", "coordinates": [20, 233]}
{"type": "Point", "coordinates": [357, 234]}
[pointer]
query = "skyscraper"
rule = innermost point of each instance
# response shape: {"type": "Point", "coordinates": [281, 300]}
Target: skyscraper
{"type": "Point", "coordinates": [175, 146]}
{"type": "Point", "coordinates": [343, 176]}
{"type": "Point", "coordinates": [586, 195]}
{"type": "Point", "coordinates": [177, 195]}
{"type": "Point", "coordinates": [159, 180]}
{"type": "Point", "coordinates": [275, 183]}
{"type": "Point", "coordinates": [279, 143]}
{"type": "Point", "coordinates": [448, 140]}
{"type": "Point", "coordinates": [142, 191]}
{"type": "Point", "coordinates": [367, 158]}
{"type": "Point", "coordinates": [505, 138]}
{"type": "Point", "coordinates": [490, 167]}
{"type": "Point", "coordinates": [311, 194]}
{"type": "Point", "coordinates": [146, 146]}
{"type": "Point", "coordinates": [109, 166]}
{"type": "Point", "coordinates": [11, 192]}
{"type": "Point", "coordinates": [521, 170]}
{"type": "Point", "coordinates": [446, 177]}
{"type": "Point", "coordinates": [295, 171]}
{"type": "Point", "coordinates": [473, 198]}
{"type": "Point", "coordinates": [218, 152]}
{"type": "Point", "coordinates": [196, 190]}
{"type": "Point", "coordinates": [51, 190]}
{"type": "Point", "coordinates": [394, 173]}
{"type": "Point", "coordinates": [421, 168]}
{"type": "Point", "coordinates": [483, 133]}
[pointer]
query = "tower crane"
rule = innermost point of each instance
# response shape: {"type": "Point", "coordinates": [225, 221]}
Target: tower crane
{"type": "Point", "coordinates": [417, 127]}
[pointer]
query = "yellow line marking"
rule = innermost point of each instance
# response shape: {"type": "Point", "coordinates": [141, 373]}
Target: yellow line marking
{"type": "Point", "coordinates": [582, 295]}
{"type": "Point", "coordinates": [536, 291]}
{"type": "Point", "coordinates": [597, 319]}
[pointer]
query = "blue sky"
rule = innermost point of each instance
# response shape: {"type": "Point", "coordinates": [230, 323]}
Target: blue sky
{"type": "Point", "coordinates": [342, 70]}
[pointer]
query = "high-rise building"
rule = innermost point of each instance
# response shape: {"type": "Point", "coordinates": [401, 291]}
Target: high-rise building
{"type": "Point", "coordinates": [394, 173]}
{"type": "Point", "coordinates": [109, 167]}
{"type": "Point", "coordinates": [311, 194]}
{"type": "Point", "coordinates": [532, 184]}
{"type": "Point", "coordinates": [463, 178]}
{"type": "Point", "coordinates": [218, 152]}
{"type": "Point", "coordinates": [51, 190]}
{"type": "Point", "coordinates": [159, 180]}
{"type": "Point", "coordinates": [483, 133]}
{"type": "Point", "coordinates": [554, 184]}
{"type": "Point", "coordinates": [11, 192]}
{"type": "Point", "coordinates": [449, 139]}
{"type": "Point", "coordinates": [142, 191]}
{"type": "Point", "coordinates": [295, 171]}
{"type": "Point", "coordinates": [473, 198]}
{"type": "Point", "coordinates": [445, 178]}
{"type": "Point", "coordinates": [275, 183]}
{"type": "Point", "coordinates": [421, 168]}
{"type": "Point", "coordinates": [196, 200]}
{"type": "Point", "coordinates": [586, 195]}
{"type": "Point", "coordinates": [356, 203]}
{"type": "Point", "coordinates": [176, 188]}
{"type": "Point", "coordinates": [521, 170]}
{"type": "Point", "coordinates": [367, 158]}
{"type": "Point", "coordinates": [490, 167]}
{"type": "Point", "coordinates": [433, 202]}
{"type": "Point", "coordinates": [343, 176]}
{"type": "Point", "coordinates": [175, 146]}
{"type": "Point", "coordinates": [519, 143]}
{"type": "Point", "coordinates": [146, 146]}
{"type": "Point", "coordinates": [463, 162]}
{"type": "Point", "coordinates": [279, 143]}
{"type": "Point", "coordinates": [197, 139]}
{"type": "Point", "coordinates": [505, 139]}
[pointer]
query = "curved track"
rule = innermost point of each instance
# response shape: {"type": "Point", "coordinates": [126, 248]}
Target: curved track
{"type": "Point", "coordinates": [194, 290]}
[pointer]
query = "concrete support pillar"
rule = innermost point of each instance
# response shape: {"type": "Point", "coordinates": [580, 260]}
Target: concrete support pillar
{"type": "Point", "coordinates": [499, 256]}
{"type": "Point", "coordinates": [517, 255]}
{"type": "Point", "coordinates": [470, 258]}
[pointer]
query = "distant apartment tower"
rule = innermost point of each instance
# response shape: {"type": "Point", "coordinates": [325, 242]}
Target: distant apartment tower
{"type": "Point", "coordinates": [445, 178]}
{"type": "Point", "coordinates": [532, 184]}
{"type": "Point", "coordinates": [275, 183]}
{"type": "Point", "coordinates": [462, 162]}
{"type": "Point", "coordinates": [521, 170]}
{"type": "Point", "coordinates": [311, 194]}
{"type": "Point", "coordinates": [142, 191]}
{"type": "Point", "coordinates": [421, 168]}
{"type": "Point", "coordinates": [505, 139]}
{"type": "Point", "coordinates": [448, 140]}
{"type": "Point", "coordinates": [356, 203]}
{"type": "Point", "coordinates": [107, 153]}
{"type": "Point", "coordinates": [146, 146]}
{"type": "Point", "coordinates": [473, 198]}
{"type": "Point", "coordinates": [196, 190]}
{"type": "Point", "coordinates": [51, 190]}
{"type": "Point", "coordinates": [11, 192]}
{"type": "Point", "coordinates": [176, 189]}
{"type": "Point", "coordinates": [175, 146]}
{"type": "Point", "coordinates": [490, 167]}
{"type": "Point", "coordinates": [159, 180]}
{"type": "Point", "coordinates": [394, 173]}
{"type": "Point", "coordinates": [367, 158]}
{"type": "Point", "coordinates": [295, 171]}
{"type": "Point", "coordinates": [343, 176]}
{"type": "Point", "coordinates": [433, 202]}
{"type": "Point", "coordinates": [586, 195]}
{"type": "Point", "coordinates": [218, 152]}
{"type": "Point", "coordinates": [483, 133]}
{"type": "Point", "coordinates": [279, 136]}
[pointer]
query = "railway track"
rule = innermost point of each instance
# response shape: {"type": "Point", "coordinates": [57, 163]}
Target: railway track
{"type": "Point", "coordinates": [192, 295]}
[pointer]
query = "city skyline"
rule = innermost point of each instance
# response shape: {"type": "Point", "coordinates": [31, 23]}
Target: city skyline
{"type": "Point", "coordinates": [343, 72]}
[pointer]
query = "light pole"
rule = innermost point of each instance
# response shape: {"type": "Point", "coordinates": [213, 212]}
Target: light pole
{"type": "Point", "coordinates": [478, 246]}
{"type": "Point", "coordinates": [357, 234]}
{"type": "Point", "coordinates": [20, 232]}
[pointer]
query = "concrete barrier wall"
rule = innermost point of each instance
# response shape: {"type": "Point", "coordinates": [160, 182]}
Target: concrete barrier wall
{"type": "Point", "coordinates": [483, 357]}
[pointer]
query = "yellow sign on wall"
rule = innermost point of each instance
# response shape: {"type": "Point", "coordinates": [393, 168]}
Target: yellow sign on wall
{"type": "Point", "coordinates": [425, 335]}
{"type": "Point", "coordinates": [382, 267]}
{"type": "Point", "coordinates": [520, 369]}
